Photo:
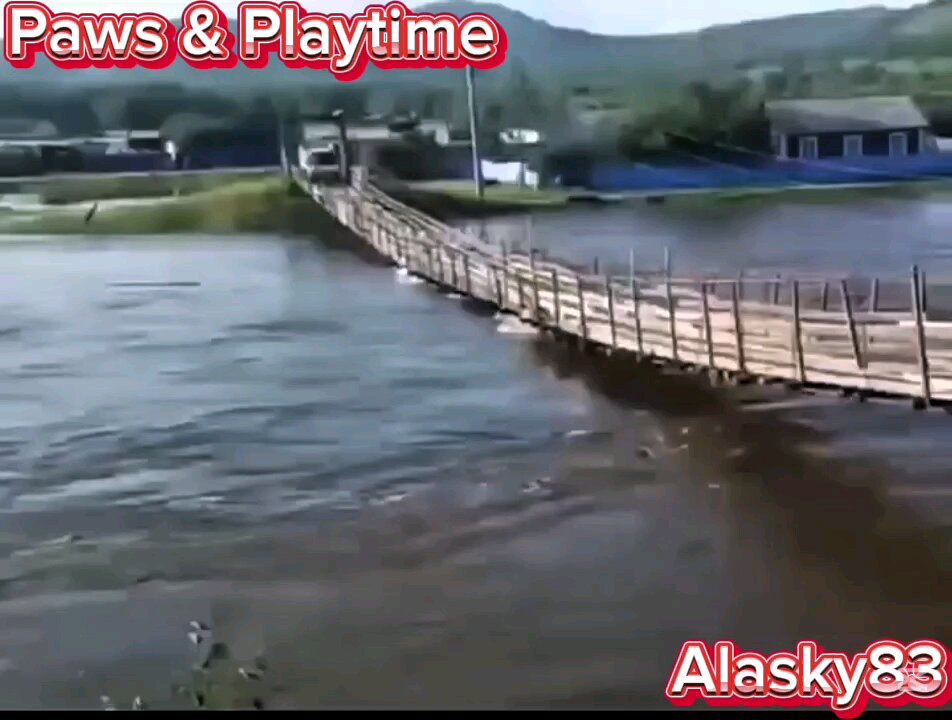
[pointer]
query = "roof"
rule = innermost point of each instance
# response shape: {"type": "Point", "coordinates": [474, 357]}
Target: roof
{"type": "Point", "coordinates": [182, 127]}
{"type": "Point", "coordinates": [133, 134]}
{"type": "Point", "coordinates": [23, 127]}
{"type": "Point", "coordinates": [844, 115]}
{"type": "Point", "coordinates": [373, 128]}
{"type": "Point", "coordinates": [944, 144]}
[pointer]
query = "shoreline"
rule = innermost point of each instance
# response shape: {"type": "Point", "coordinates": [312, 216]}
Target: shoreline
{"type": "Point", "coordinates": [229, 204]}
{"type": "Point", "coordinates": [237, 206]}
{"type": "Point", "coordinates": [455, 200]}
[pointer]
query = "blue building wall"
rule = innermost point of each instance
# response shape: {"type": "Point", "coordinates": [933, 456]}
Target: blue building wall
{"type": "Point", "coordinates": [619, 177]}
{"type": "Point", "coordinates": [248, 156]}
{"type": "Point", "coordinates": [127, 162]}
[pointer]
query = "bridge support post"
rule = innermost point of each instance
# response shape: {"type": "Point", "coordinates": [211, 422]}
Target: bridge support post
{"type": "Point", "coordinates": [738, 327]}
{"type": "Point", "coordinates": [798, 334]}
{"type": "Point", "coordinates": [672, 321]}
{"type": "Point", "coordinates": [610, 294]}
{"type": "Point", "coordinates": [537, 310]}
{"type": "Point", "coordinates": [636, 304]}
{"type": "Point", "coordinates": [708, 335]}
{"type": "Point", "coordinates": [505, 272]}
{"type": "Point", "coordinates": [583, 323]}
{"type": "Point", "coordinates": [917, 306]}
{"type": "Point", "coordinates": [851, 324]}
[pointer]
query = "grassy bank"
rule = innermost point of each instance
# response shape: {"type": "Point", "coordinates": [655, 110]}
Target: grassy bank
{"type": "Point", "coordinates": [452, 200]}
{"type": "Point", "coordinates": [259, 205]}
{"type": "Point", "coordinates": [813, 195]}
{"type": "Point", "coordinates": [457, 199]}
{"type": "Point", "coordinates": [89, 189]}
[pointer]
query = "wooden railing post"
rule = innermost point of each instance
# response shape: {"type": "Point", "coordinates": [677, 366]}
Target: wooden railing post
{"type": "Point", "coordinates": [921, 337]}
{"type": "Point", "coordinates": [738, 327]}
{"type": "Point", "coordinates": [610, 294]}
{"type": "Point", "coordinates": [636, 302]}
{"type": "Point", "coordinates": [851, 324]}
{"type": "Point", "coordinates": [672, 322]}
{"type": "Point", "coordinates": [583, 323]}
{"type": "Point", "coordinates": [708, 335]}
{"type": "Point", "coordinates": [498, 286]}
{"type": "Point", "coordinates": [537, 313]}
{"type": "Point", "coordinates": [874, 296]}
{"type": "Point", "coordinates": [469, 281]}
{"type": "Point", "coordinates": [825, 298]}
{"type": "Point", "coordinates": [454, 271]}
{"type": "Point", "coordinates": [555, 298]}
{"type": "Point", "coordinates": [798, 334]}
{"type": "Point", "coordinates": [505, 272]}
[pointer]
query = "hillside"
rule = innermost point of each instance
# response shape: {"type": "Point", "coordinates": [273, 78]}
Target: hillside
{"type": "Point", "coordinates": [569, 55]}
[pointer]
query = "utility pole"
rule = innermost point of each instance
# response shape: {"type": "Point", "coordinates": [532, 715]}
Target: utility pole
{"type": "Point", "coordinates": [474, 132]}
{"type": "Point", "coordinates": [341, 121]}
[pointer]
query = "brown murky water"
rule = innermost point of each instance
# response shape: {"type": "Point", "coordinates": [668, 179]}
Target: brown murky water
{"type": "Point", "coordinates": [396, 504]}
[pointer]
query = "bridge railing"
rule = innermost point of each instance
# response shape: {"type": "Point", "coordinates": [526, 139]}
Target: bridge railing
{"type": "Point", "coordinates": [874, 339]}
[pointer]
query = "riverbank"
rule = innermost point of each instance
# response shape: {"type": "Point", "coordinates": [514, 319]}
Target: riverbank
{"type": "Point", "coordinates": [453, 200]}
{"type": "Point", "coordinates": [238, 205]}
{"type": "Point", "coordinates": [449, 200]}
{"type": "Point", "coordinates": [83, 187]}
{"type": "Point", "coordinates": [806, 194]}
{"type": "Point", "coordinates": [150, 205]}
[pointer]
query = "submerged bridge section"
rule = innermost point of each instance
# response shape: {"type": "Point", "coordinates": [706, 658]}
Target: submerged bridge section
{"type": "Point", "coordinates": [806, 332]}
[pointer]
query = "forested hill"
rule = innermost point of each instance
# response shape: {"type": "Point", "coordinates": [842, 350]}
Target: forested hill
{"type": "Point", "coordinates": [578, 56]}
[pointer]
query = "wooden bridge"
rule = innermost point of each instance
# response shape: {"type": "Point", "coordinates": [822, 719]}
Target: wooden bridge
{"type": "Point", "coordinates": [804, 332]}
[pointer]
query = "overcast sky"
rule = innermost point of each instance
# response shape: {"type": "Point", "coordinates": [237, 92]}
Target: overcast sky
{"type": "Point", "coordinates": [606, 16]}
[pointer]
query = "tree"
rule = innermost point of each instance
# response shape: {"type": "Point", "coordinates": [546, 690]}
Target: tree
{"type": "Point", "coordinates": [492, 118]}
{"type": "Point", "coordinates": [776, 84]}
{"type": "Point", "coordinates": [352, 100]}
{"type": "Point", "coordinates": [527, 106]}
{"type": "Point", "coordinates": [437, 104]}
{"type": "Point", "coordinates": [709, 121]}
{"type": "Point", "coordinates": [868, 74]}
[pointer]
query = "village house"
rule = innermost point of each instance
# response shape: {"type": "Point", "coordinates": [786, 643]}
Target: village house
{"type": "Point", "coordinates": [378, 141]}
{"type": "Point", "coordinates": [594, 114]}
{"type": "Point", "coordinates": [848, 128]}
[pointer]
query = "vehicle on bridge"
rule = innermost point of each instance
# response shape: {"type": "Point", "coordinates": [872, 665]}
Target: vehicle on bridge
{"type": "Point", "coordinates": [322, 165]}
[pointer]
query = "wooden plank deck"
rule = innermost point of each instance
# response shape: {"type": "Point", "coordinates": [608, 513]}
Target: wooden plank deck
{"type": "Point", "coordinates": [805, 332]}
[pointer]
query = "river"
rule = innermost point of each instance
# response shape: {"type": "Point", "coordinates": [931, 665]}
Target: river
{"type": "Point", "coordinates": [880, 235]}
{"type": "Point", "coordinates": [392, 502]}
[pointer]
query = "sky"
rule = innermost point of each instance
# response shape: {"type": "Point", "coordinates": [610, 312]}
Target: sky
{"type": "Point", "coordinates": [618, 17]}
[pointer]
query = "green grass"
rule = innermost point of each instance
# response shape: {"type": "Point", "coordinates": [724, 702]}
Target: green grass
{"type": "Point", "coordinates": [456, 199]}
{"type": "Point", "coordinates": [89, 189]}
{"type": "Point", "coordinates": [812, 195]}
{"type": "Point", "coordinates": [260, 205]}
{"type": "Point", "coordinates": [464, 190]}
